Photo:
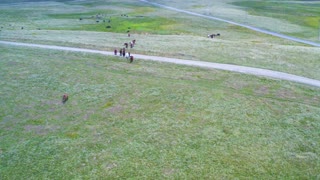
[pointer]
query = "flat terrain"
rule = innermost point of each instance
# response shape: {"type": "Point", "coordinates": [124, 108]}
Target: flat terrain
{"type": "Point", "coordinates": [296, 18]}
{"type": "Point", "coordinates": [151, 120]}
{"type": "Point", "coordinates": [158, 32]}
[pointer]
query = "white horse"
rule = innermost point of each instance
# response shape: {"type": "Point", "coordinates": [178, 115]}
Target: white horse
{"type": "Point", "coordinates": [127, 55]}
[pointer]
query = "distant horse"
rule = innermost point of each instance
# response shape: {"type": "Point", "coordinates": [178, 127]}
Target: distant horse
{"type": "Point", "coordinates": [123, 52]}
{"type": "Point", "coordinates": [120, 52]}
{"type": "Point", "coordinates": [213, 35]}
{"type": "Point", "coordinates": [65, 98]}
{"type": "Point", "coordinates": [126, 45]}
{"type": "Point", "coordinates": [127, 55]}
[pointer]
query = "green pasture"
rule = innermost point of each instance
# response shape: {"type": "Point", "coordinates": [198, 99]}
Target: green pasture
{"type": "Point", "coordinates": [303, 14]}
{"type": "Point", "coordinates": [235, 46]}
{"type": "Point", "coordinates": [149, 120]}
{"type": "Point", "coordinates": [158, 32]}
{"type": "Point", "coordinates": [296, 18]}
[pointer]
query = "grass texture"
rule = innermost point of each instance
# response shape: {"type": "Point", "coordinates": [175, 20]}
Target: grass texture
{"type": "Point", "coordinates": [149, 120]}
{"type": "Point", "coordinates": [159, 32]}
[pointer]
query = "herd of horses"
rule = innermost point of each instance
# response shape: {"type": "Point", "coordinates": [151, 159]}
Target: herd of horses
{"type": "Point", "coordinates": [123, 52]}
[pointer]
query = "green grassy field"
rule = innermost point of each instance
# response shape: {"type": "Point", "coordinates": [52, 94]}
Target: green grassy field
{"type": "Point", "coordinates": [158, 32]}
{"type": "Point", "coordinates": [149, 120]}
{"type": "Point", "coordinates": [302, 13]}
{"type": "Point", "coordinates": [296, 18]}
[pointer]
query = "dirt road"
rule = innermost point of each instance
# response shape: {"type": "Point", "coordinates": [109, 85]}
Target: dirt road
{"type": "Point", "coordinates": [209, 65]}
{"type": "Point", "coordinates": [237, 24]}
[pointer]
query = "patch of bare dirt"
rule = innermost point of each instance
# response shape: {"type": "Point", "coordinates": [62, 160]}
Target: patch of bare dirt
{"type": "Point", "coordinates": [285, 94]}
{"type": "Point", "coordinates": [237, 85]}
{"type": "Point", "coordinates": [111, 166]}
{"type": "Point", "coordinates": [115, 109]}
{"type": "Point", "coordinates": [40, 129]}
{"type": "Point", "coordinates": [88, 114]}
{"type": "Point", "coordinates": [168, 172]}
{"type": "Point", "coordinates": [263, 90]}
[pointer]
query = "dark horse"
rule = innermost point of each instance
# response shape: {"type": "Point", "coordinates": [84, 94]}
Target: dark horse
{"type": "Point", "coordinates": [65, 98]}
{"type": "Point", "coordinates": [213, 35]}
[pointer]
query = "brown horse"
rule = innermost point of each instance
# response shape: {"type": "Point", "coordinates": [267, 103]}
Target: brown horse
{"type": "Point", "coordinates": [65, 98]}
{"type": "Point", "coordinates": [124, 52]}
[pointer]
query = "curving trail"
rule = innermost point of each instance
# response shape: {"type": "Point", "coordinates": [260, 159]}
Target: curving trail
{"type": "Point", "coordinates": [237, 24]}
{"type": "Point", "coordinates": [227, 67]}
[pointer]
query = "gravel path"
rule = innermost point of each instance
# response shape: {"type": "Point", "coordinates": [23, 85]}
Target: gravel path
{"type": "Point", "coordinates": [237, 24]}
{"type": "Point", "coordinates": [209, 65]}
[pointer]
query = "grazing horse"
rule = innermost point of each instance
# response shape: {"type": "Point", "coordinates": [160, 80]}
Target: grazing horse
{"type": "Point", "coordinates": [131, 59]}
{"type": "Point", "coordinates": [65, 98]}
{"type": "Point", "coordinates": [120, 52]}
{"type": "Point", "coordinates": [127, 55]}
{"type": "Point", "coordinates": [213, 35]}
{"type": "Point", "coordinates": [124, 52]}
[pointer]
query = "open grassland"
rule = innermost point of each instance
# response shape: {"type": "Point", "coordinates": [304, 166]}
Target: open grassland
{"type": "Point", "coordinates": [297, 18]}
{"type": "Point", "coordinates": [150, 120]}
{"type": "Point", "coordinates": [248, 50]}
{"type": "Point", "coordinates": [158, 32]}
{"type": "Point", "coordinates": [302, 13]}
